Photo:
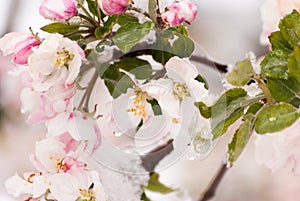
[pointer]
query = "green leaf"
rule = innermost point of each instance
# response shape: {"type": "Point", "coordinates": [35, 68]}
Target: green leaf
{"type": "Point", "coordinates": [60, 28]}
{"type": "Point", "coordinates": [144, 197]}
{"type": "Point", "coordinates": [124, 20]}
{"type": "Point", "coordinates": [240, 138]}
{"type": "Point", "coordinates": [155, 107]}
{"type": "Point", "coordinates": [112, 20]}
{"type": "Point", "coordinates": [290, 28]}
{"type": "Point", "coordinates": [199, 78]}
{"type": "Point", "coordinates": [183, 46]}
{"type": "Point", "coordinates": [130, 34]}
{"type": "Point", "coordinates": [275, 118]}
{"type": "Point", "coordinates": [223, 126]}
{"type": "Point", "coordinates": [138, 67]}
{"type": "Point", "coordinates": [92, 5]}
{"type": "Point", "coordinates": [224, 102]}
{"type": "Point", "coordinates": [283, 90]}
{"type": "Point", "coordinates": [294, 64]}
{"type": "Point", "coordinates": [119, 86]}
{"type": "Point", "coordinates": [295, 102]}
{"type": "Point", "coordinates": [156, 186]}
{"type": "Point", "coordinates": [243, 133]}
{"type": "Point", "coordinates": [279, 43]}
{"type": "Point", "coordinates": [116, 82]}
{"type": "Point", "coordinates": [254, 108]}
{"type": "Point", "coordinates": [241, 75]}
{"type": "Point", "coordinates": [101, 32]}
{"type": "Point", "coordinates": [181, 29]}
{"type": "Point", "coordinates": [275, 65]}
{"type": "Point", "coordinates": [204, 110]}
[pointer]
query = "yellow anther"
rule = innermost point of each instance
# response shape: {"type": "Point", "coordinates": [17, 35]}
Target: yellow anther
{"type": "Point", "coordinates": [180, 90]}
{"type": "Point", "coordinates": [63, 58]}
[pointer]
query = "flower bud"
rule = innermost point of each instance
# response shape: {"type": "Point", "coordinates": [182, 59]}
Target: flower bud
{"type": "Point", "coordinates": [111, 7]}
{"type": "Point", "coordinates": [180, 12]}
{"type": "Point", "coordinates": [58, 9]}
{"type": "Point", "coordinates": [19, 45]}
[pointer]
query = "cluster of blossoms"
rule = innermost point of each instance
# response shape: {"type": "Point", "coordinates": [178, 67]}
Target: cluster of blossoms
{"type": "Point", "coordinates": [132, 63]}
{"type": "Point", "coordinates": [53, 71]}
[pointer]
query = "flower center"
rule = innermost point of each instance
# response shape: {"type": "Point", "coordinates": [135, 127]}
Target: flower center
{"type": "Point", "coordinates": [139, 102]}
{"type": "Point", "coordinates": [86, 195]}
{"type": "Point", "coordinates": [180, 90]}
{"type": "Point", "coordinates": [63, 58]}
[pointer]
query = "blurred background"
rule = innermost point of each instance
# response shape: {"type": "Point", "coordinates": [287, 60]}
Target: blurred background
{"type": "Point", "coordinates": [226, 30]}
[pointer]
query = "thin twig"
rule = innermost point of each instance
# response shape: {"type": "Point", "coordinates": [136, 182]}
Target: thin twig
{"type": "Point", "coordinates": [92, 20]}
{"type": "Point", "coordinates": [83, 105]}
{"type": "Point", "coordinates": [204, 60]}
{"type": "Point", "coordinates": [211, 190]}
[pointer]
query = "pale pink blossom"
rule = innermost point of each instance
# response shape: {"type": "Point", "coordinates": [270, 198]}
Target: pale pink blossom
{"type": "Point", "coordinates": [180, 12]}
{"type": "Point", "coordinates": [31, 184]}
{"type": "Point", "coordinates": [111, 7]}
{"type": "Point", "coordinates": [272, 11]}
{"type": "Point", "coordinates": [77, 185]}
{"type": "Point", "coordinates": [58, 9]}
{"type": "Point", "coordinates": [56, 58]}
{"type": "Point", "coordinates": [19, 45]}
{"type": "Point", "coordinates": [280, 149]}
{"type": "Point", "coordinates": [51, 157]}
{"type": "Point", "coordinates": [43, 106]}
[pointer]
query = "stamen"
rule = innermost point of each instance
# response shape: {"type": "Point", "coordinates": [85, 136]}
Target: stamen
{"type": "Point", "coordinates": [63, 58]}
{"type": "Point", "coordinates": [86, 195]}
{"type": "Point", "coordinates": [139, 102]}
{"type": "Point", "coordinates": [180, 90]}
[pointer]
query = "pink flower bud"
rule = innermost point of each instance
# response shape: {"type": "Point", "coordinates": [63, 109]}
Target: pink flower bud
{"type": "Point", "coordinates": [19, 45]}
{"type": "Point", "coordinates": [111, 7]}
{"type": "Point", "coordinates": [58, 9]}
{"type": "Point", "coordinates": [180, 12]}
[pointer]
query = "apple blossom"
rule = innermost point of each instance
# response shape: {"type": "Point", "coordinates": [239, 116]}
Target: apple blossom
{"type": "Point", "coordinates": [279, 149]}
{"type": "Point", "coordinates": [272, 11]}
{"type": "Point", "coordinates": [51, 157]}
{"type": "Point", "coordinates": [177, 13]}
{"type": "Point", "coordinates": [31, 184]}
{"type": "Point", "coordinates": [77, 185]}
{"type": "Point", "coordinates": [19, 45]}
{"type": "Point", "coordinates": [58, 9]}
{"type": "Point", "coordinates": [56, 58]}
{"type": "Point", "coordinates": [111, 7]}
{"type": "Point", "coordinates": [43, 106]}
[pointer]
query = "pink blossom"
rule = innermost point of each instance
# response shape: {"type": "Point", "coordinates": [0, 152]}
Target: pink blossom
{"type": "Point", "coordinates": [70, 143]}
{"type": "Point", "coordinates": [272, 11]}
{"type": "Point", "coordinates": [58, 9]}
{"type": "Point", "coordinates": [280, 149]}
{"type": "Point", "coordinates": [46, 105]}
{"type": "Point", "coordinates": [180, 12]}
{"type": "Point", "coordinates": [51, 157]}
{"type": "Point", "coordinates": [56, 58]}
{"type": "Point", "coordinates": [111, 7]}
{"type": "Point", "coordinates": [19, 45]}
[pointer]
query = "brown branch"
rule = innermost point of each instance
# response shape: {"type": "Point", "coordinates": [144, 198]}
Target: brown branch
{"type": "Point", "coordinates": [204, 60]}
{"type": "Point", "coordinates": [211, 190]}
